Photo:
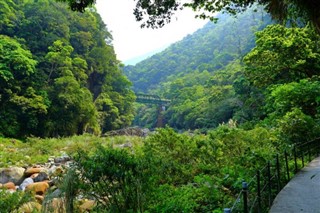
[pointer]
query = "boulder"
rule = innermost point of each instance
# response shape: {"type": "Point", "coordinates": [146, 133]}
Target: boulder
{"type": "Point", "coordinates": [41, 176]}
{"type": "Point", "coordinates": [62, 159]}
{"type": "Point", "coordinates": [9, 186]}
{"type": "Point", "coordinates": [34, 175]}
{"type": "Point", "coordinates": [39, 187]}
{"type": "Point", "coordinates": [25, 183]}
{"type": "Point", "coordinates": [12, 174]}
{"type": "Point", "coordinates": [33, 170]}
{"type": "Point", "coordinates": [56, 193]}
{"type": "Point", "coordinates": [55, 170]}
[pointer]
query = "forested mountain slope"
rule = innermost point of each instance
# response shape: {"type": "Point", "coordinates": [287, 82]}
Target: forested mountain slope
{"type": "Point", "coordinates": [210, 48]}
{"type": "Point", "coordinates": [58, 75]}
{"type": "Point", "coordinates": [203, 75]}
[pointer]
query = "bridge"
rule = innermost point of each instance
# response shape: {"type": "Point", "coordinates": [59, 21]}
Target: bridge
{"type": "Point", "coordinates": [151, 99]}
{"type": "Point", "coordinates": [154, 99]}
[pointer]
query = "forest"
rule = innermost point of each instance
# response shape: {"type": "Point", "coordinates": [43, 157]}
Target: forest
{"type": "Point", "coordinates": [59, 74]}
{"type": "Point", "coordinates": [242, 89]}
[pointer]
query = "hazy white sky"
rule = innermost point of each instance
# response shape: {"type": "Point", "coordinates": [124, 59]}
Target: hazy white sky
{"type": "Point", "coordinates": [130, 41]}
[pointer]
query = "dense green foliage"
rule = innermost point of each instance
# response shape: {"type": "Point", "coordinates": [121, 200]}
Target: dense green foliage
{"type": "Point", "coordinates": [10, 202]}
{"type": "Point", "coordinates": [174, 172]}
{"type": "Point", "coordinates": [114, 177]}
{"type": "Point", "coordinates": [59, 74]}
{"type": "Point", "coordinates": [203, 75]}
{"type": "Point", "coordinates": [274, 84]}
{"type": "Point", "coordinates": [157, 13]}
{"type": "Point", "coordinates": [251, 96]}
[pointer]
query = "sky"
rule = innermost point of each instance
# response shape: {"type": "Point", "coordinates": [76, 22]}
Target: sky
{"type": "Point", "coordinates": [131, 41]}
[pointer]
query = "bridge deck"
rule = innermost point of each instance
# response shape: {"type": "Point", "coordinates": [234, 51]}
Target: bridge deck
{"type": "Point", "coordinates": [151, 99]}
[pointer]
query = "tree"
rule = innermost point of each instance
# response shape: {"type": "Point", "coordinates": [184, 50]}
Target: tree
{"type": "Point", "coordinates": [76, 106]}
{"type": "Point", "coordinates": [69, 97]}
{"type": "Point", "coordinates": [54, 63]}
{"type": "Point", "coordinates": [283, 55]}
{"type": "Point", "coordinates": [20, 104]}
{"type": "Point", "coordinates": [159, 12]}
{"type": "Point", "coordinates": [9, 16]}
{"type": "Point", "coordinates": [303, 95]}
{"type": "Point", "coordinates": [59, 59]}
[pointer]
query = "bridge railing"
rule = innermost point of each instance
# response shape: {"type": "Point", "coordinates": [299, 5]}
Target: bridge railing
{"type": "Point", "coordinates": [259, 192]}
{"type": "Point", "coordinates": [151, 99]}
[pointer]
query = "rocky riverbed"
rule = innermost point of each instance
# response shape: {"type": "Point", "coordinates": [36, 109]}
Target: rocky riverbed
{"type": "Point", "coordinates": [39, 179]}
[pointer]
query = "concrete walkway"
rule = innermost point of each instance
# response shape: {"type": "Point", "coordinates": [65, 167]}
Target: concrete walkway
{"type": "Point", "coordinates": [302, 193]}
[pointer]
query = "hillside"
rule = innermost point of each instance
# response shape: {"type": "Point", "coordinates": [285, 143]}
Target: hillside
{"type": "Point", "coordinates": [57, 62]}
{"type": "Point", "coordinates": [210, 48]}
{"type": "Point", "coordinates": [198, 75]}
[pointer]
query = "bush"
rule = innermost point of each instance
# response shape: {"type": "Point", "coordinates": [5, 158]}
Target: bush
{"type": "Point", "coordinates": [296, 127]}
{"type": "Point", "coordinates": [10, 202]}
{"type": "Point", "coordinates": [111, 176]}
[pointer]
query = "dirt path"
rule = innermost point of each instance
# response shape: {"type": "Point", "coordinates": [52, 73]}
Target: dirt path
{"type": "Point", "coordinates": [302, 193]}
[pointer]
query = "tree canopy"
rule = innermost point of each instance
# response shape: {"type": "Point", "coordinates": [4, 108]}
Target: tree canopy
{"type": "Point", "coordinates": [58, 72]}
{"type": "Point", "coordinates": [158, 13]}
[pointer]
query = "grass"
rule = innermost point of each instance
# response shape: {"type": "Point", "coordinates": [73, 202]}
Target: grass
{"type": "Point", "coordinates": [14, 152]}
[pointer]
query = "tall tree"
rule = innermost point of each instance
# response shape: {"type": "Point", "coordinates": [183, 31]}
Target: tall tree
{"type": "Point", "coordinates": [67, 95]}
{"type": "Point", "coordinates": [21, 106]}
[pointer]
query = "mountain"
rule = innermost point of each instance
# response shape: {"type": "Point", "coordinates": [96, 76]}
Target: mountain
{"type": "Point", "coordinates": [202, 75]}
{"type": "Point", "coordinates": [210, 48]}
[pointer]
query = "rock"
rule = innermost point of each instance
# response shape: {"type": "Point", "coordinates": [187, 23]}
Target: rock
{"type": "Point", "coordinates": [133, 131]}
{"type": "Point", "coordinates": [144, 132]}
{"type": "Point", "coordinates": [25, 183]}
{"type": "Point", "coordinates": [12, 174]}
{"type": "Point", "coordinates": [9, 186]}
{"type": "Point", "coordinates": [39, 198]}
{"type": "Point", "coordinates": [55, 170]}
{"type": "Point", "coordinates": [51, 159]}
{"type": "Point", "coordinates": [39, 187]}
{"type": "Point", "coordinates": [56, 193]}
{"type": "Point", "coordinates": [62, 159]}
{"type": "Point", "coordinates": [87, 205]}
{"type": "Point", "coordinates": [30, 207]}
{"type": "Point", "coordinates": [33, 170]}
{"type": "Point", "coordinates": [42, 176]}
{"type": "Point", "coordinates": [34, 175]}
{"type": "Point", "coordinates": [125, 145]}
